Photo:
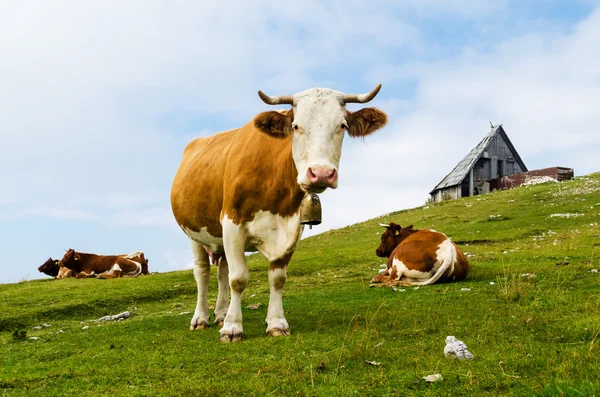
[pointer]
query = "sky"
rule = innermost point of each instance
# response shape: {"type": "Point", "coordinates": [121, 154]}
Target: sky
{"type": "Point", "coordinates": [98, 100]}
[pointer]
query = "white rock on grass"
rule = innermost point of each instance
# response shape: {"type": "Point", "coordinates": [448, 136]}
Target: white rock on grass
{"type": "Point", "coordinates": [433, 378]}
{"type": "Point", "coordinates": [564, 215]}
{"type": "Point", "coordinates": [119, 316]}
{"type": "Point", "coordinates": [539, 179]}
{"type": "Point", "coordinates": [456, 348]}
{"type": "Point", "coordinates": [528, 275]}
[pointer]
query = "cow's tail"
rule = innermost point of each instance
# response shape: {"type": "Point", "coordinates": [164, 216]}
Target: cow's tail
{"type": "Point", "coordinates": [448, 261]}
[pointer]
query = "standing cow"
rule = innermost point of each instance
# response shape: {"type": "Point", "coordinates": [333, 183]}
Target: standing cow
{"type": "Point", "coordinates": [419, 257]}
{"type": "Point", "coordinates": [240, 190]}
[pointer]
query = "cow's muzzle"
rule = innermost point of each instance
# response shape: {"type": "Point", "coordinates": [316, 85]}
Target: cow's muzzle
{"type": "Point", "coordinates": [321, 177]}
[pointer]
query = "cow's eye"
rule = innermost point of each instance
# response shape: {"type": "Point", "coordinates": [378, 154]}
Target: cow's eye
{"type": "Point", "coordinates": [344, 126]}
{"type": "Point", "coordinates": [295, 127]}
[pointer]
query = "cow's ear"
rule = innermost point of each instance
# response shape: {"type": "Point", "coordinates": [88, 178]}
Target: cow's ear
{"type": "Point", "coordinates": [396, 229]}
{"type": "Point", "coordinates": [56, 262]}
{"type": "Point", "coordinates": [365, 121]}
{"type": "Point", "coordinates": [275, 123]}
{"type": "Point", "coordinates": [409, 227]}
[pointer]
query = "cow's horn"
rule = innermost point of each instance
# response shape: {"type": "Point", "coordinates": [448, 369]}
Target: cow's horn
{"type": "Point", "coordinates": [383, 225]}
{"type": "Point", "coordinates": [361, 98]}
{"type": "Point", "coordinates": [276, 100]}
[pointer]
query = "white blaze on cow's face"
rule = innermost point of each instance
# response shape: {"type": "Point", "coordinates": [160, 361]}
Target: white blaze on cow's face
{"type": "Point", "coordinates": [317, 123]}
{"type": "Point", "coordinates": [318, 132]}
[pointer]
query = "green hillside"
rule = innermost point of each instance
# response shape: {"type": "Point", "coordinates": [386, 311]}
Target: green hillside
{"type": "Point", "coordinates": [535, 335]}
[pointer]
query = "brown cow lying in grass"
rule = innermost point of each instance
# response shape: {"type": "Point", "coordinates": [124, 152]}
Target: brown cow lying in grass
{"type": "Point", "coordinates": [53, 269]}
{"type": "Point", "coordinates": [419, 257]}
{"type": "Point", "coordinates": [101, 266]}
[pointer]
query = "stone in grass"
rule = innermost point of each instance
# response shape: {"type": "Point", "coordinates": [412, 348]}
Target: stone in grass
{"type": "Point", "coordinates": [119, 316]}
{"type": "Point", "coordinates": [457, 348]}
{"type": "Point", "coordinates": [433, 378]}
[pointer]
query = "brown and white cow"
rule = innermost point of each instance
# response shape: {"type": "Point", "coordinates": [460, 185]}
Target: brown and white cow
{"type": "Point", "coordinates": [240, 190]}
{"type": "Point", "coordinates": [104, 266]}
{"type": "Point", "coordinates": [419, 257]}
{"type": "Point", "coordinates": [52, 268]}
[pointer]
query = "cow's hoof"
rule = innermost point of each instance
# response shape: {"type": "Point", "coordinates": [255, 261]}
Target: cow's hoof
{"type": "Point", "coordinates": [278, 332]}
{"type": "Point", "coordinates": [198, 324]}
{"type": "Point", "coordinates": [227, 338]}
{"type": "Point", "coordinates": [219, 322]}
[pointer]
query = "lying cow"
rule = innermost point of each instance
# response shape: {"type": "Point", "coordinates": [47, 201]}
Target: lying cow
{"type": "Point", "coordinates": [101, 266]}
{"type": "Point", "coordinates": [52, 268]}
{"type": "Point", "coordinates": [419, 257]}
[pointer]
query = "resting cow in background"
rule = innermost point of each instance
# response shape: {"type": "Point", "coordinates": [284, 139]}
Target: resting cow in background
{"type": "Point", "coordinates": [52, 268]}
{"type": "Point", "coordinates": [419, 257]}
{"type": "Point", "coordinates": [104, 266]}
{"type": "Point", "coordinates": [240, 190]}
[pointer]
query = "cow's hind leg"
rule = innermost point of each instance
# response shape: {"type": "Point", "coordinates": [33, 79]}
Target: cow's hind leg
{"type": "Point", "coordinates": [202, 275]}
{"type": "Point", "coordinates": [277, 324]}
{"type": "Point", "coordinates": [234, 241]}
{"type": "Point", "coordinates": [223, 298]}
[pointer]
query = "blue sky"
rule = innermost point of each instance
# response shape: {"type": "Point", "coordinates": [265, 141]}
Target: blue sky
{"type": "Point", "coordinates": [98, 100]}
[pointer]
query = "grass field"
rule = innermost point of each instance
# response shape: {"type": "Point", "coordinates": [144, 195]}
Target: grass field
{"type": "Point", "coordinates": [530, 335]}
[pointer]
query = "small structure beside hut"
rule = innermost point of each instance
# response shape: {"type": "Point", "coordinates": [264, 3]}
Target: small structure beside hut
{"type": "Point", "coordinates": [493, 164]}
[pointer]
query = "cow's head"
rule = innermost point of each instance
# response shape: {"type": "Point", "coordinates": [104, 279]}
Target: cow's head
{"type": "Point", "coordinates": [394, 234]}
{"type": "Point", "coordinates": [70, 260]}
{"type": "Point", "coordinates": [317, 123]}
{"type": "Point", "coordinates": [50, 267]}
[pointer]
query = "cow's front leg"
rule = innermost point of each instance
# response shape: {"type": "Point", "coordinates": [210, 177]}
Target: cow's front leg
{"type": "Point", "coordinates": [202, 276]}
{"type": "Point", "coordinates": [277, 325]}
{"type": "Point", "coordinates": [234, 242]}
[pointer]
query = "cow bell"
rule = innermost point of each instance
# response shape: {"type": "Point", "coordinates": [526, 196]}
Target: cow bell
{"type": "Point", "coordinates": [310, 210]}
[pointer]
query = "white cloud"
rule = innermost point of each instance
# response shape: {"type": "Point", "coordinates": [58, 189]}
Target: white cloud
{"type": "Point", "coordinates": [544, 88]}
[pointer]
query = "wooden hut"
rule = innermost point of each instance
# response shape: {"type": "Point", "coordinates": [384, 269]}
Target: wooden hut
{"type": "Point", "coordinates": [494, 157]}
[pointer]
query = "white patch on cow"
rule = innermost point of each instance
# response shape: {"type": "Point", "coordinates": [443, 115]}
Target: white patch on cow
{"type": "Point", "coordinates": [319, 114]}
{"type": "Point", "coordinates": [446, 259]}
{"type": "Point", "coordinates": [204, 238]}
{"type": "Point", "coordinates": [403, 271]}
{"type": "Point", "coordinates": [273, 235]}
{"type": "Point", "coordinates": [446, 256]}
{"type": "Point", "coordinates": [117, 268]}
{"type": "Point", "coordinates": [134, 255]}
